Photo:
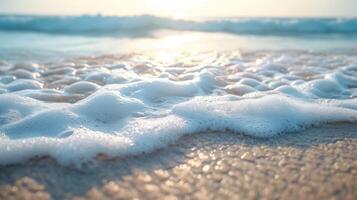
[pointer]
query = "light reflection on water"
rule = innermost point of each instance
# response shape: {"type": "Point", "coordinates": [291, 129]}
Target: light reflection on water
{"type": "Point", "coordinates": [164, 46]}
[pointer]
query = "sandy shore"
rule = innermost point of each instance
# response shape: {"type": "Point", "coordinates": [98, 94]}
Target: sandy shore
{"type": "Point", "coordinates": [320, 163]}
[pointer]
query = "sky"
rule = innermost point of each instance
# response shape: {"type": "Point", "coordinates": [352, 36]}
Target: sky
{"type": "Point", "coordinates": [185, 8]}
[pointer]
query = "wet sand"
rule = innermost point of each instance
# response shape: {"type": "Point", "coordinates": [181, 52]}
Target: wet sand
{"type": "Point", "coordinates": [319, 163]}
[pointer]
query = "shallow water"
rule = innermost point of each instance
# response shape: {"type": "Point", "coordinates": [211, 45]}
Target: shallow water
{"type": "Point", "coordinates": [72, 97]}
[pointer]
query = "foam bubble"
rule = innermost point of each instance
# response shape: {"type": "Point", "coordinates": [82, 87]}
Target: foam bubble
{"type": "Point", "coordinates": [107, 106]}
{"type": "Point", "coordinates": [23, 84]}
{"type": "Point", "coordinates": [76, 110]}
{"type": "Point", "coordinates": [81, 87]}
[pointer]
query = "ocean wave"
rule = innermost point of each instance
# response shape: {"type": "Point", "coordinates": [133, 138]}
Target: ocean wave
{"type": "Point", "coordinates": [143, 25]}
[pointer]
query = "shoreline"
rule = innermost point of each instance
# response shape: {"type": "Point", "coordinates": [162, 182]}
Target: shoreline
{"type": "Point", "coordinates": [318, 163]}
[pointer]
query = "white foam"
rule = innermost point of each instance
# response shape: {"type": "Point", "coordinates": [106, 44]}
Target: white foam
{"type": "Point", "coordinates": [23, 84]}
{"type": "Point", "coordinates": [106, 123]}
{"type": "Point", "coordinates": [260, 117]}
{"type": "Point", "coordinates": [125, 109]}
{"type": "Point", "coordinates": [81, 87]}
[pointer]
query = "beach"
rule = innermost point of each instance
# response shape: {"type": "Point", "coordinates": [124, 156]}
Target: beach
{"type": "Point", "coordinates": [147, 107]}
{"type": "Point", "coordinates": [319, 163]}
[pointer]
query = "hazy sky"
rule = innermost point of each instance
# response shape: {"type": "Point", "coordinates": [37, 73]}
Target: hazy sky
{"type": "Point", "coordinates": [184, 8]}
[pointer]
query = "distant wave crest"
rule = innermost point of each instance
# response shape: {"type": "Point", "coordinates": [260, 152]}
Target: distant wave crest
{"type": "Point", "coordinates": [142, 25]}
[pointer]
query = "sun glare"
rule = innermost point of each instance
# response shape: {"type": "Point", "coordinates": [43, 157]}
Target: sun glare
{"type": "Point", "coordinates": [168, 49]}
{"type": "Point", "coordinates": [173, 8]}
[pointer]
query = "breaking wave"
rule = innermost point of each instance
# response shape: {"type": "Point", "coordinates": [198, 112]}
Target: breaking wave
{"type": "Point", "coordinates": [143, 25]}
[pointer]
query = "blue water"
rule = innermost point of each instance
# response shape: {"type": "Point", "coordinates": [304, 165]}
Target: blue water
{"type": "Point", "coordinates": [43, 38]}
{"type": "Point", "coordinates": [139, 26]}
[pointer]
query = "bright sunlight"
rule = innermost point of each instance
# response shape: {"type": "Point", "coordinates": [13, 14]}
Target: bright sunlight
{"type": "Point", "coordinates": [177, 9]}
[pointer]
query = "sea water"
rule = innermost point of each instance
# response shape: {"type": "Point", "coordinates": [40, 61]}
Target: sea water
{"type": "Point", "coordinates": [75, 87]}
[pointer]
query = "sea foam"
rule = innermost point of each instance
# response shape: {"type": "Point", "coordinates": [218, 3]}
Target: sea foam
{"type": "Point", "coordinates": [77, 110]}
